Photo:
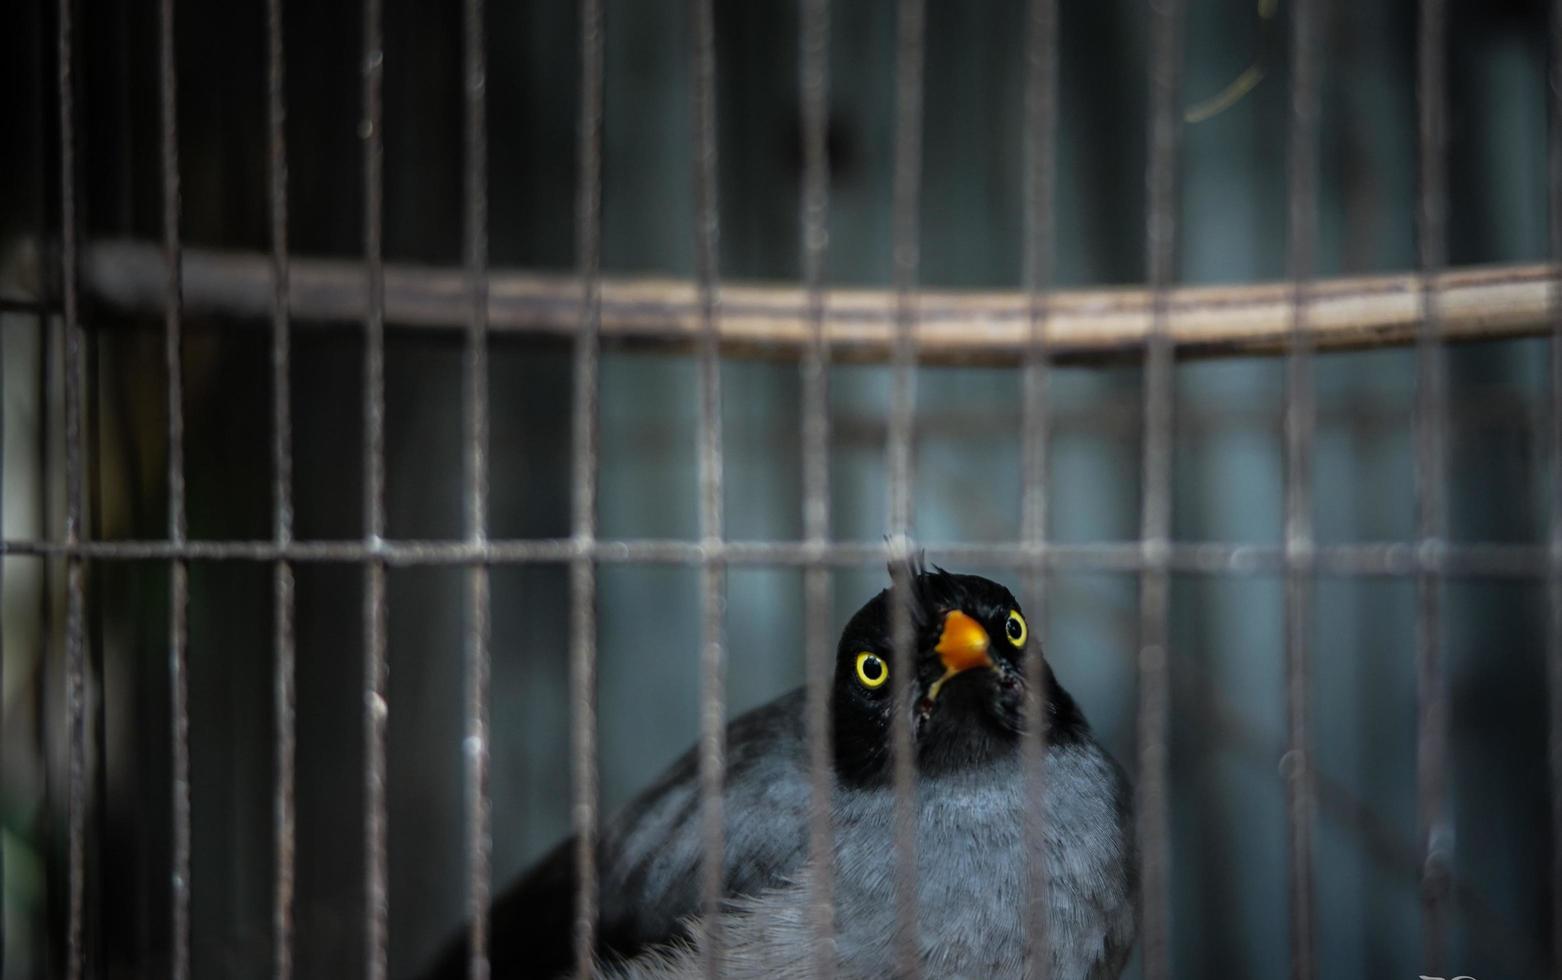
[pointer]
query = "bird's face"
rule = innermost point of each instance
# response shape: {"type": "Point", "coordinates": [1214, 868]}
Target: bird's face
{"type": "Point", "coordinates": [966, 689]}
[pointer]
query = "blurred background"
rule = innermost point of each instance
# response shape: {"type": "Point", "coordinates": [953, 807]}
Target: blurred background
{"type": "Point", "coordinates": [1229, 857]}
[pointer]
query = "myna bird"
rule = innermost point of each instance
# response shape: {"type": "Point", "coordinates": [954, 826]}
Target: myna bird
{"type": "Point", "coordinates": [966, 698]}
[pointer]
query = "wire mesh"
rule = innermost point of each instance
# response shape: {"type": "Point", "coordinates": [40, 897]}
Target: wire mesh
{"type": "Point", "coordinates": [1154, 557]}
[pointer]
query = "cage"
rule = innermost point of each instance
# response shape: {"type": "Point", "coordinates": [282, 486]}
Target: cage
{"type": "Point", "coordinates": [423, 422]}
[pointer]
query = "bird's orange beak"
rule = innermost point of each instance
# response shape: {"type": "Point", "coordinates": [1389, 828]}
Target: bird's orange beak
{"type": "Point", "coordinates": [964, 644]}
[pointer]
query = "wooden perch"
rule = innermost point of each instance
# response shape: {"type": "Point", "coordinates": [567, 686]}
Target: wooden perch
{"type": "Point", "coordinates": [771, 320]}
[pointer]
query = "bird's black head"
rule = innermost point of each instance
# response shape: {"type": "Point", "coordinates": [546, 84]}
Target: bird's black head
{"type": "Point", "coordinates": [966, 689]}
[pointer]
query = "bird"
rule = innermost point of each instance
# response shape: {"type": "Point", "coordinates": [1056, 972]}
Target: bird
{"type": "Point", "coordinates": [965, 695]}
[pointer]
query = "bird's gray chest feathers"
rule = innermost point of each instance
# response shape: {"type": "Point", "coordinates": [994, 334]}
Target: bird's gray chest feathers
{"type": "Point", "coordinates": [970, 880]}
{"type": "Point", "coordinates": [972, 873]}
{"type": "Point", "coordinates": [972, 884]}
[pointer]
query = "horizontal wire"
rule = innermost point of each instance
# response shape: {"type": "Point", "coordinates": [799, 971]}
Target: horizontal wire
{"type": "Point", "coordinates": [1381, 558]}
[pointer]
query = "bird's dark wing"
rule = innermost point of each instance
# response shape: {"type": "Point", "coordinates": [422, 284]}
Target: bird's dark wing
{"type": "Point", "coordinates": [648, 856]}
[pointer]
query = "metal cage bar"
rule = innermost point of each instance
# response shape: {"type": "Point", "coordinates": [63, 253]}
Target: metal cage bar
{"type": "Point", "coordinates": [713, 721]}
{"type": "Point", "coordinates": [375, 707]}
{"type": "Point", "coordinates": [1161, 221]}
{"type": "Point", "coordinates": [813, 220]}
{"type": "Point", "coordinates": [583, 569]}
{"type": "Point", "coordinates": [1441, 312]}
{"type": "Point", "coordinates": [1430, 422]}
{"type": "Point", "coordinates": [1298, 536]}
{"type": "Point", "coordinates": [910, 53]}
{"type": "Point", "coordinates": [1385, 559]}
{"type": "Point", "coordinates": [42, 332]}
{"type": "Point", "coordinates": [1039, 154]}
{"type": "Point", "coordinates": [283, 636]}
{"type": "Point", "coordinates": [1153, 707]}
{"type": "Point", "coordinates": [179, 569]}
{"type": "Point", "coordinates": [75, 585]}
{"type": "Point", "coordinates": [1300, 425]}
{"type": "Point", "coordinates": [1554, 464]}
{"type": "Point", "coordinates": [479, 801]}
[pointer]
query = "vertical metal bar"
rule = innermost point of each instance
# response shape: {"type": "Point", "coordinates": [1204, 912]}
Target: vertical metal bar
{"type": "Point", "coordinates": [75, 646]}
{"type": "Point", "coordinates": [1554, 646]}
{"type": "Point", "coordinates": [376, 708]}
{"type": "Point", "coordinates": [479, 834]}
{"type": "Point", "coordinates": [583, 569]}
{"type": "Point", "coordinates": [909, 51]}
{"type": "Point", "coordinates": [41, 334]}
{"type": "Point", "coordinates": [814, 103]}
{"type": "Point", "coordinates": [712, 566]}
{"type": "Point", "coordinates": [284, 690]}
{"type": "Point", "coordinates": [1039, 160]}
{"type": "Point", "coordinates": [179, 570]}
{"type": "Point", "coordinates": [1154, 707]}
{"type": "Point", "coordinates": [1430, 429]}
{"type": "Point", "coordinates": [97, 723]}
{"type": "Point", "coordinates": [1299, 428]}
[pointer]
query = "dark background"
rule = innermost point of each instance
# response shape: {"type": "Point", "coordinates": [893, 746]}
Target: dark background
{"type": "Point", "coordinates": [1229, 873]}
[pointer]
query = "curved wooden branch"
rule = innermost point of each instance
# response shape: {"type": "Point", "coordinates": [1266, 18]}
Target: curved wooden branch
{"type": "Point", "coordinates": [771, 320]}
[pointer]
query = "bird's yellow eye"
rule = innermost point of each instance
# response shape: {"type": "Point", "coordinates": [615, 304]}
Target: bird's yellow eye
{"type": "Point", "coordinates": [1015, 628]}
{"type": "Point", "coordinates": [871, 670]}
